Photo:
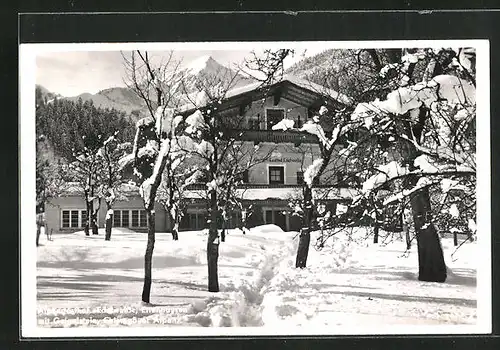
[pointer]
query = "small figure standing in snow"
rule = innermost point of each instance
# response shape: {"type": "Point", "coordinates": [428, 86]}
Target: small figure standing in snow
{"type": "Point", "coordinates": [40, 222]}
{"type": "Point", "coordinates": [407, 219]}
{"type": "Point", "coordinates": [243, 226]}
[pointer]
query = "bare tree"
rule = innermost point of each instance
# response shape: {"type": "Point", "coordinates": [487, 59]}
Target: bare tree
{"type": "Point", "coordinates": [50, 179]}
{"type": "Point", "coordinates": [112, 180]}
{"type": "Point", "coordinates": [429, 115]}
{"type": "Point", "coordinates": [266, 67]}
{"type": "Point", "coordinates": [156, 84]}
{"type": "Point", "coordinates": [398, 110]}
{"type": "Point", "coordinates": [86, 169]}
{"type": "Point", "coordinates": [213, 139]}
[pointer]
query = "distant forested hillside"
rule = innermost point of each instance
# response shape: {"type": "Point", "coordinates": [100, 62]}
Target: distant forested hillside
{"type": "Point", "coordinates": [348, 71]}
{"type": "Point", "coordinates": [70, 126]}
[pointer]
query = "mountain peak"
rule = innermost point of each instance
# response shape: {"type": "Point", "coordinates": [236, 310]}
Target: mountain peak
{"type": "Point", "coordinates": [201, 63]}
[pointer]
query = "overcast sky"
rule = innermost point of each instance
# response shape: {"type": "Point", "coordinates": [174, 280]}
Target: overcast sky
{"type": "Point", "coordinates": [75, 72]}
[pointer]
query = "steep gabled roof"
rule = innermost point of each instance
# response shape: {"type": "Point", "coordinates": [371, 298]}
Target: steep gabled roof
{"type": "Point", "coordinates": [257, 88]}
{"type": "Point", "coordinates": [302, 83]}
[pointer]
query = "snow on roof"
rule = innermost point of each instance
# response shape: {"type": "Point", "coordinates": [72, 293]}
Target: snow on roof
{"type": "Point", "coordinates": [71, 189]}
{"type": "Point", "coordinates": [318, 89]}
{"type": "Point", "coordinates": [76, 189]}
{"type": "Point", "coordinates": [126, 160]}
{"type": "Point", "coordinates": [282, 193]}
{"type": "Point", "coordinates": [305, 84]}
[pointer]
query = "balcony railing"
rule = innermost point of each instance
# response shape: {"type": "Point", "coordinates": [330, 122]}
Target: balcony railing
{"type": "Point", "coordinates": [274, 136]}
{"type": "Point", "coordinates": [202, 186]}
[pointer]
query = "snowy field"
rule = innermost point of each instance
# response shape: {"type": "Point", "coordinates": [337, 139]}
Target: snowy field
{"type": "Point", "coordinates": [88, 282]}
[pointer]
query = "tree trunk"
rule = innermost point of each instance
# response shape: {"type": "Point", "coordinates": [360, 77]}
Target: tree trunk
{"type": "Point", "coordinates": [37, 235]}
{"type": "Point", "coordinates": [213, 246]}
{"type": "Point", "coordinates": [408, 238]}
{"type": "Point", "coordinates": [303, 249]}
{"type": "Point", "coordinates": [375, 232]}
{"type": "Point", "coordinates": [175, 225]}
{"type": "Point", "coordinates": [95, 213]}
{"type": "Point", "coordinates": [175, 233]}
{"type": "Point", "coordinates": [431, 265]}
{"type": "Point", "coordinates": [223, 232]}
{"type": "Point", "coordinates": [148, 256]}
{"type": "Point", "coordinates": [305, 235]}
{"type": "Point", "coordinates": [455, 239]}
{"type": "Point", "coordinates": [109, 222]}
{"type": "Point", "coordinates": [90, 208]}
{"type": "Point", "coordinates": [212, 258]}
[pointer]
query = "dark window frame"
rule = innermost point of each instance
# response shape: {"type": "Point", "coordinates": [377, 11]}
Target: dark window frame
{"type": "Point", "coordinates": [134, 214]}
{"type": "Point", "coordinates": [117, 218]}
{"type": "Point", "coordinates": [272, 175]}
{"type": "Point", "coordinates": [300, 177]}
{"type": "Point", "coordinates": [273, 110]}
{"type": "Point", "coordinates": [127, 218]}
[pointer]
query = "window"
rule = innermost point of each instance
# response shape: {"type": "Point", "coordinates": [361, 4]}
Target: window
{"type": "Point", "coordinates": [254, 124]}
{"type": "Point", "coordinates": [130, 218]}
{"type": "Point", "coordinates": [274, 116]}
{"type": "Point", "coordinates": [300, 177]}
{"type": "Point", "coordinates": [299, 122]}
{"type": "Point", "coordinates": [125, 218]}
{"type": "Point", "coordinates": [193, 221]}
{"type": "Point", "coordinates": [84, 217]}
{"type": "Point", "coordinates": [135, 218]}
{"type": "Point", "coordinates": [276, 175]}
{"type": "Point", "coordinates": [117, 218]}
{"type": "Point", "coordinates": [143, 222]}
{"type": "Point", "coordinates": [73, 218]}
{"type": "Point", "coordinates": [65, 218]}
{"type": "Point", "coordinates": [243, 176]}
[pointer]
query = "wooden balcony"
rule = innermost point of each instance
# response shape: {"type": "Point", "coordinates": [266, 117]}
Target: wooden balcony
{"type": "Point", "coordinates": [274, 136]}
{"type": "Point", "coordinates": [203, 186]}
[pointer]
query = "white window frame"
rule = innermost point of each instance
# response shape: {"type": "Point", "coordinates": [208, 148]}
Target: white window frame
{"type": "Point", "coordinates": [80, 221]}
{"type": "Point", "coordinates": [130, 217]}
{"type": "Point", "coordinates": [273, 108]}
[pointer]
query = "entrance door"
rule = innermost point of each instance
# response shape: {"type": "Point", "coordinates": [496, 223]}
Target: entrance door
{"type": "Point", "coordinates": [280, 219]}
{"type": "Point", "coordinates": [275, 217]}
{"type": "Point", "coordinates": [269, 217]}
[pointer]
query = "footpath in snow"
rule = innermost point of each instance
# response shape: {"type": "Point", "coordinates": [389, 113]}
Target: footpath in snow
{"type": "Point", "coordinates": [86, 281]}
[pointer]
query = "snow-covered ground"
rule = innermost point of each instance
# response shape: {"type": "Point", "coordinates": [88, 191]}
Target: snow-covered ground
{"type": "Point", "coordinates": [86, 281]}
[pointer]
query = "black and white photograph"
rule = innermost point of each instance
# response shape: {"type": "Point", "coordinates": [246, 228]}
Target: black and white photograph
{"type": "Point", "coordinates": [255, 188]}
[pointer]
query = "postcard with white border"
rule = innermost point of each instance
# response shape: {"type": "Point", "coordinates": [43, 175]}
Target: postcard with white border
{"type": "Point", "coordinates": [255, 188]}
